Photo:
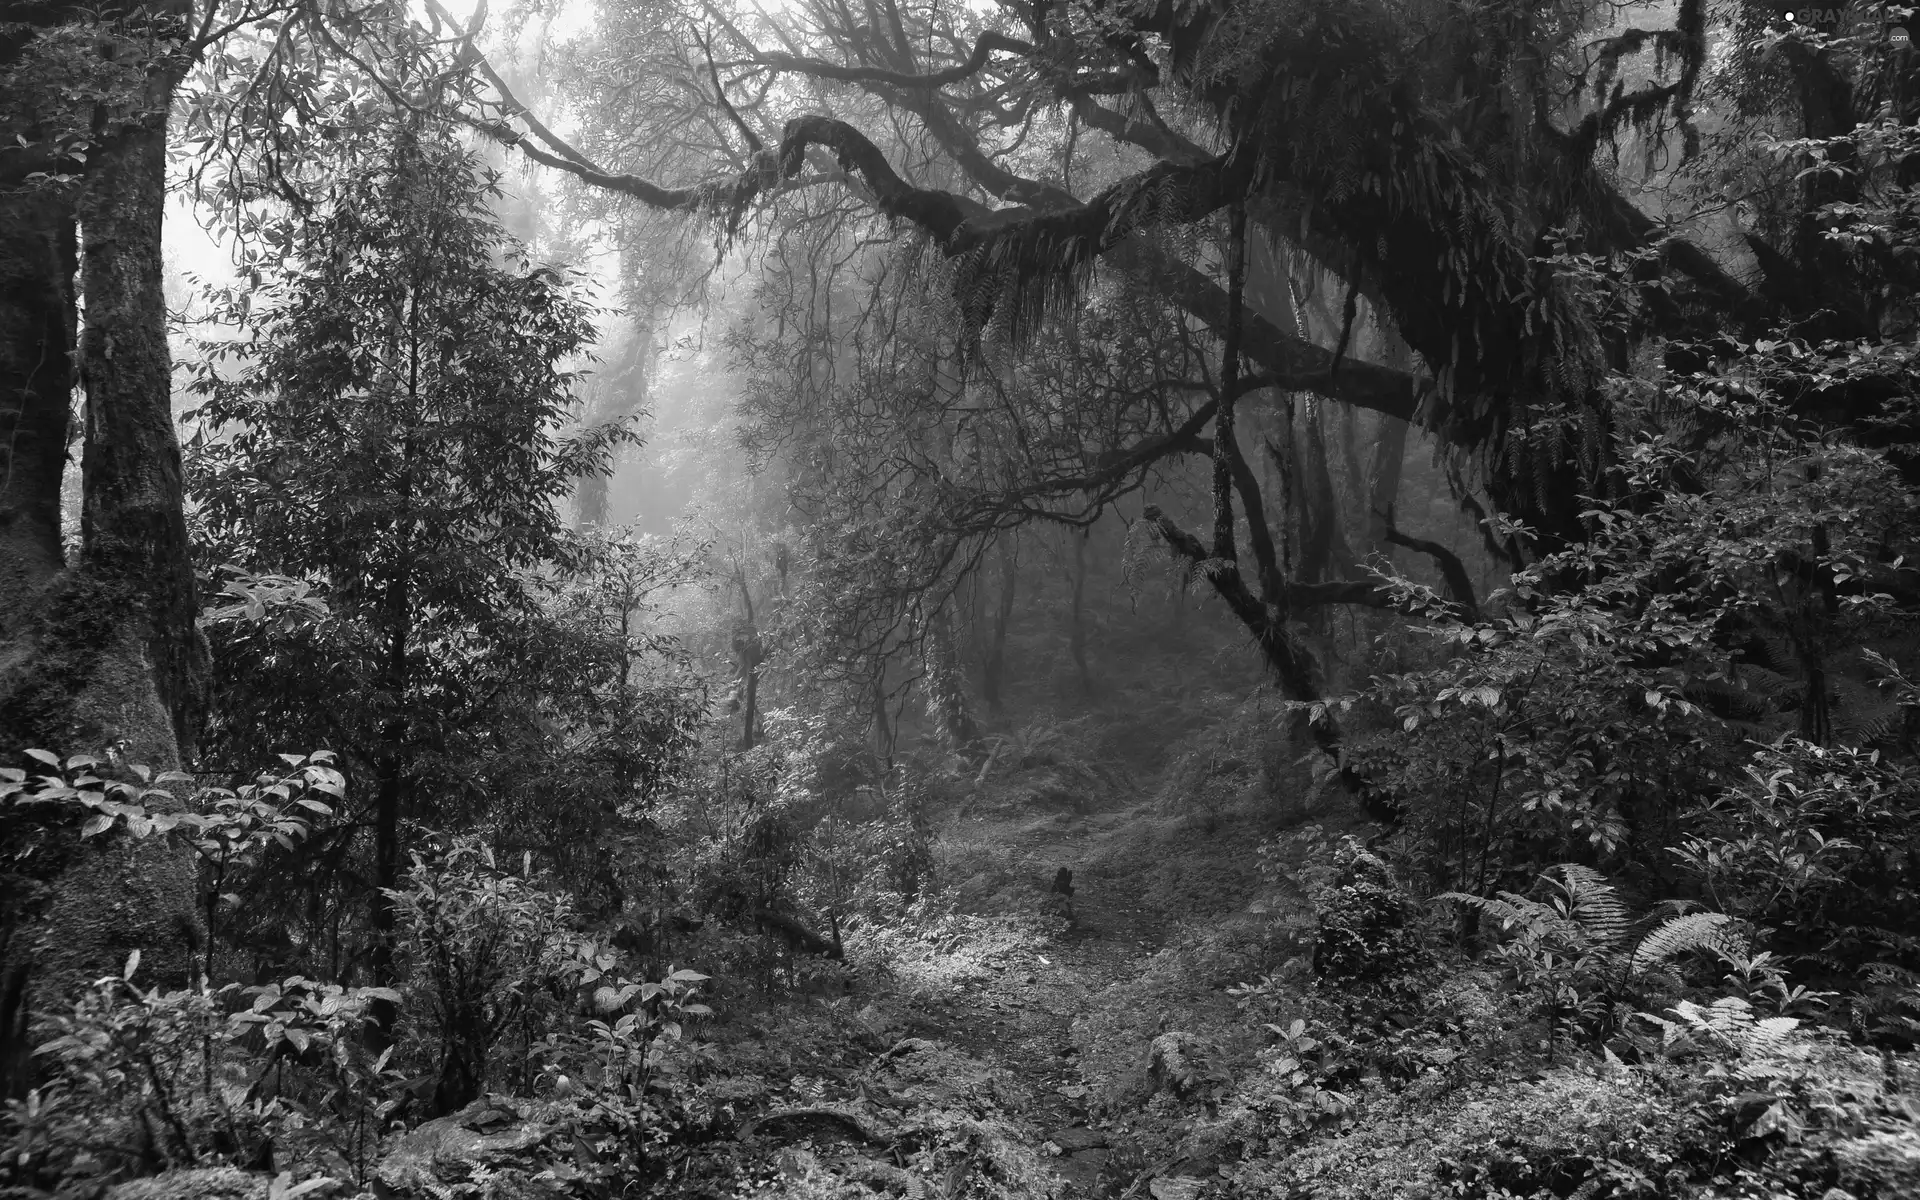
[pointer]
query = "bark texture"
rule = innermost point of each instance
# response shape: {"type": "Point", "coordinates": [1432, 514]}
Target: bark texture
{"type": "Point", "coordinates": [101, 656]}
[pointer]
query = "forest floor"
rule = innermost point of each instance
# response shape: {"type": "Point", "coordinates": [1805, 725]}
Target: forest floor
{"type": "Point", "coordinates": [1060, 1017]}
{"type": "Point", "coordinates": [1022, 1019]}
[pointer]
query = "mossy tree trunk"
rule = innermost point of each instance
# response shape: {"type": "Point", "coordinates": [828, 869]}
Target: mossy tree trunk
{"type": "Point", "coordinates": [101, 656]}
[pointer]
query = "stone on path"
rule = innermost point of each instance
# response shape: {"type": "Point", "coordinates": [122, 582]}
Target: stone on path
{"type": "Point", "coordinates": [1077, 1138]}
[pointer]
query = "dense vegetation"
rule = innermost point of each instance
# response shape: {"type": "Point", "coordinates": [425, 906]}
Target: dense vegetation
{"type": "Point", "coordinates": [1250, 598]}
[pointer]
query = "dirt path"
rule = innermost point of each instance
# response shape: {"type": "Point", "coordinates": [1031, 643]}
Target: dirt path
{"type": "Point", "coordinates": [1020, 1017]}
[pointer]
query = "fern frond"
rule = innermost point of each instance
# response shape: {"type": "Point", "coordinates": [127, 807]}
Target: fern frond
{"type": "Point", "coordinates": [1594, 904]}
{"type": "Point", "coordinates": [1895, 976]}
{"type": "Point", "coordinates": [1863, 714]}
{"type": "Point", "coordinates": [1507, 908]}
{"type": "Point", "coordinates": [1729, 1021]}
{"type": "Point", "coordinates": [1694, 931]}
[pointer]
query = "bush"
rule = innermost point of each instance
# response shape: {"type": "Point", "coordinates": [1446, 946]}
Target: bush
{"type": "Point", "coordinates": [145, 1079]}
{"type": "Point", "coordinates": [485, 948]}
{"type": "Point", "coordinates": [1367, 933]}
{"type": "Point", "coordinates": [1818, 843]}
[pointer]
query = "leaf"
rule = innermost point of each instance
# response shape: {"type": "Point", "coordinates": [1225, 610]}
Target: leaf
{"type": "Point", "coordinates": [45, 756]}
{"type": "Point", "coordinates": [133, 964]}
{"type": "Point", "coordinates": [99, 824]}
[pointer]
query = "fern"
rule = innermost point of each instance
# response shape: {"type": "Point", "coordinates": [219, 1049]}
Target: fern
{"type": "Point", "coordinates": [1593, 904]}
{"type": "Point", "coordinates": [1729, 1023]}
{"type": "Point", "coordinates": [1889, 1006]}
{"type": "Point", "coordinates": [1588, 914]}
{"type": "Point", "coordinates": [1693, 931]}
{"type": "Point", "coordinates": [1863, 714]}
{"type": "Point", "coordinates": [1512, 911]}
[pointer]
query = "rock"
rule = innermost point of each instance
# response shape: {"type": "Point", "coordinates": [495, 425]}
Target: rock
{"type": "Point", "coordinates": [1179, 1063]}
{"type": "Point", "coordinates": [1077, 1139]}
{"type": "Point", "coordinates": [446, 1150]}
{"type": "Point", "coordinates": [1097, 1156]}
{"type": "Point", "coordinates": [911, 1045]}
{"type": "Point", "coordinates": [1174, 1188]}
{"type": "Point", "coordinates": [1078, 1172]}
{"type": "Point", "coordinates": [200, 1183]}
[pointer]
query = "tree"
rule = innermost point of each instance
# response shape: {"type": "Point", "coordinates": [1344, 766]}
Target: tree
{"type": "Point", "coordinates": [100, 652]}
{"type": "Point", "coordinates": [392, 432]}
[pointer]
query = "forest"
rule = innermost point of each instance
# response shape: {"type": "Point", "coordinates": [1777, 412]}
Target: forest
{"type": "Point", "coordinates": [990, 599]}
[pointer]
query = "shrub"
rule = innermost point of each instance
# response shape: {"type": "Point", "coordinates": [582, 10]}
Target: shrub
{"type": "Point", "coordinates": [143, 1079]}
{"type": "Point", "coordinates": [1819, 843]}
{"type": "Point", "coordinates": [484, 946]}
{"type": "Point", "coordinates": [1367, 931]}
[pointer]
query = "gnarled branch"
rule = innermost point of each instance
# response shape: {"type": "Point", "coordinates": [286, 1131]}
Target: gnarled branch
{"type": "Point", "coordinates": [983, 47]}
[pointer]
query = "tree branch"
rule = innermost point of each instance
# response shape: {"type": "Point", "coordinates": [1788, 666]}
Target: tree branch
{"type": "Point", "coordinates": [719, 90]}
{"type": "Point", "coordinates": [1459, 583]}
{"type": "Point", "coordinates": [983, 47]}
{"type": "Point", "coordinates": [1290, 663]}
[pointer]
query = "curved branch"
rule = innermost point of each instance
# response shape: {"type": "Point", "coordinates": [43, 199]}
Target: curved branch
{"type": "Point", "coordinates": [983, 47]}
{"type": "Point", "coordinates": [754, 145]}
{"type": "Point", "coordinates": [1459, 583]}
{"type": "Point", "coordinates": [1292, 666]}
{"type": "Point", "coordinates": [941, 214]}
{"type": "Point", "coordinates": [573, 163]}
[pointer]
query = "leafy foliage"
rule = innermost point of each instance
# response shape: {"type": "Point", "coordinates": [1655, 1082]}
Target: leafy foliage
{"type": "Point", "coordinates": [382, 458]}
{"type": "Point", "coordinates": [482, 946]}
{"type": "Point", "coordinates": [1368, 934]}
{"type": "Point", "coordinates": [1577, 952]}
{"type": "Point", "coordinates": [1815, 842]}
{"type": "Point", "coordinates": [144, 1078]}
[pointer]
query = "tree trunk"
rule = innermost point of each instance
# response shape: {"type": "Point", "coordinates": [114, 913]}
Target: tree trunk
{"type": "Point", "coordinates": [37, 264]}
{"type": "Point", "coordinates": [946, 686]}
{"type": "Point", "coordinates": [883, 732]}
{"type": "Point", "coordinates": [1383, 477]}
{"type": "Point", "coordinates": [103, 659]}
{"type": "Point", "coordinates": [1323, 551]}
{"type": "Point", "coordinates": [994, 669]}
{"type": "Point", "coordinates": [391, 794]}
{"type": "Point", "coordinates": [750, 709]}
{"type": "Point", "coordinates": [1076, 614]}
{"type": "Point", "coordinates": [134, 529]}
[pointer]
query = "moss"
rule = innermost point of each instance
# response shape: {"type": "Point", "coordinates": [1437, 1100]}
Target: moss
{"type": "Point", "coordinates": [70, 911]}
{"type": "Point", "coordinates": [63, 649]}
{"type": "Point", "coordinates": [204, 1183]}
